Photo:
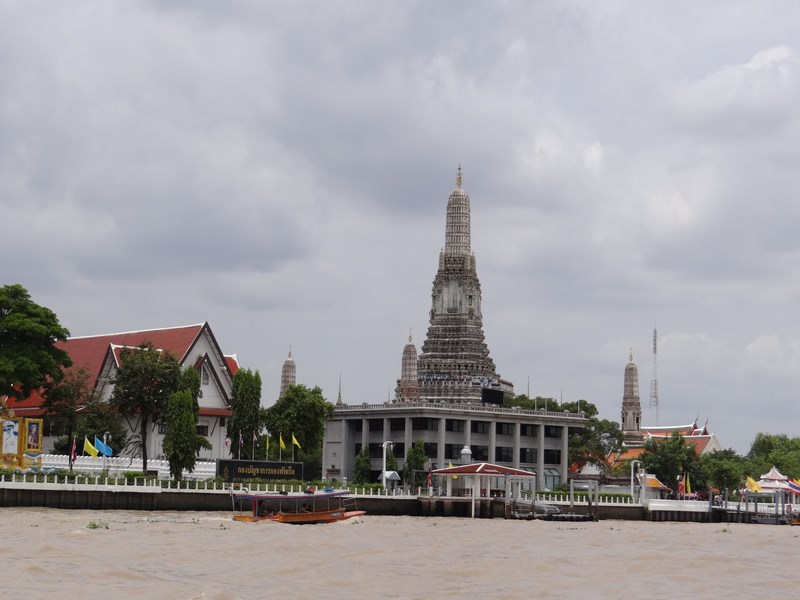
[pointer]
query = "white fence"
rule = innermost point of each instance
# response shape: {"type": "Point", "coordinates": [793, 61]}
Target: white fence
{"type": "Point", "coordinates": [117, 465]}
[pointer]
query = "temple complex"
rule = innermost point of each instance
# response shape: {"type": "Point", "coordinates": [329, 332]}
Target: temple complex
{"type": "Point", "coordinates": [455, 366]}
{"type": "Point", "coordinates": [450, 396]}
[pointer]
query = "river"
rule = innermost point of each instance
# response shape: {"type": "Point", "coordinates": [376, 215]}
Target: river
{"type": "Point", "coordinates": [201, 555]}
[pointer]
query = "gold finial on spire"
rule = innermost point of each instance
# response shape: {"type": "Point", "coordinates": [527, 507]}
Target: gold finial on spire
{"type": "Point", "coordinates": [409, 335]}
{"type": "Point", "coordinates": [630, 358]}
{"type": "Point", "coordinates": [458, 177]}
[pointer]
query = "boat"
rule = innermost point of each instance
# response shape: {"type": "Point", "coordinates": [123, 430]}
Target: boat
{"type": "Point", "coordinates": [311, 506]}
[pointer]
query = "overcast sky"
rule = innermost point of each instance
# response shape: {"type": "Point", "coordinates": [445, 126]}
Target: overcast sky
{"type": "Point", "coordinates": [281, 170]}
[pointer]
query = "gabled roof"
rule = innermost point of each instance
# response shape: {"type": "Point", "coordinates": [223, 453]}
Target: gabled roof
{"type": "Point", "coordinates": [89, 352]}
{"type": "Point", "coordinates": [487, 469]}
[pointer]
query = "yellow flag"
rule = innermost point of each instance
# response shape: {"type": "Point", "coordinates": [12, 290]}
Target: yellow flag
{"type": "Point", "coordinates": [752, 485]}
{"type": "Point", "coordinates": [450, 466]}
{"type": "Point", "coordinates": [88, 448]}
{"type": "Point", "coordinates": [688, 485]}
{"type": "Point", "coordinates": [280, 439]}
{"type": "Point", "coordinates": [295, 442]}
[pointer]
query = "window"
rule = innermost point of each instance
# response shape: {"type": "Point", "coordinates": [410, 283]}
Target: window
{"type": "Point", "coordinates": [452, 451]}
{"type": "Point", "coordinates": [480, 427]}
{"type": "Point", "coordinates": [552, 431]}
{"type": "Point", "coordinates": [480, 453]}
{"type": "Point", "coordinates": [204, 374]}
{"type": "Point", "coordinates": [358, 448]}
{"type": "Point", "coordinates": [399, 449]}
{"type": "Point", "coordinates": [529, 430]}
{"type": "Point", "coordinates": [376, 424]}
{"type": "Point", "coordinates": [376, 450]}
{"type": "Point", "coordinates": [552, 479]}
{"type": "Point", "coordinates": [423, 424]}
{"type": "Point", "coordinates": [222, 421]}
{"type": "Point", "coordinates": [504, 454]}
{"type": "Point", "coordinates": [397, 424]}
{"type": "Point", "coordinates": [455, 425]}
{"type": "Point", "coordinates": [504, 428]}
{"type": "Point", "coordinates": [527, 455]}
{"type": "Point", "coordinates": [431, 449]}
{"type": "Point", "coordinates": [202, 430]}
{"type": "Point", "coordinates": [552, 457]}
{"type": "Point", "coordinates": [162, 428]}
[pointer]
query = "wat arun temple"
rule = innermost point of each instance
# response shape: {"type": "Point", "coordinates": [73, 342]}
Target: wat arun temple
{"type": "Point", "coordinates": [450, 395]}
{"type": "Point", "coordinates": [455, 366]}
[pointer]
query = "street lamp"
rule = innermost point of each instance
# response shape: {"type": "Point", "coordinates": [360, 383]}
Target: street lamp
{"type": "Point", "coordinates": [633, 464]}
{"type": "Point", "coordinates": [383, 472]}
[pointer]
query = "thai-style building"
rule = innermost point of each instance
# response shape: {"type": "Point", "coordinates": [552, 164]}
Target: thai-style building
{"type": "Point", "coordinates": [631, 421]}
{"type": "Point", "coordinates": [451, 395]}
{"type": "Point", "coordinates": [193, 345]}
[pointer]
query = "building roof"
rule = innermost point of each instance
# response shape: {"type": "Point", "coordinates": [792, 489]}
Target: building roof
{"type": "Point", "coordinates": [89, 352]}
{"type": "Point", "coordinates": [487, 469]}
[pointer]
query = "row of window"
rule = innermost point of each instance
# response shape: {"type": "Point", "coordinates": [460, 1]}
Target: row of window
{"type": "Point", "coordinates": [458, 425]}
{"type": "Point", "coordinates": [452, 452]}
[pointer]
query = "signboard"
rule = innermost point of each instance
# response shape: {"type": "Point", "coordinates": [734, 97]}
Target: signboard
{"type": "Point", "coordinates": [240, 470]}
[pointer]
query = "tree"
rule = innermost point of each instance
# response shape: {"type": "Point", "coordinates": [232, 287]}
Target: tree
{"type": "Point", "coordinates": [246, 418]}
{"type": "Point", "coordinates": [669, 458]}
{"type": "Point", "coordinates": [181, 440]}
{"type": "Point", "coordinates": [595, 442]}
{"type": "Point", "coordinates": [303, 413]}
{"type": "Point", "coordinates": [723, 469]}
{"type": "Point", "coordinates": [146, 378]}
{"type": "Point", "coordinates": [538, 403]}
{"type": "Point", "coordinates": [63, 399]}
{"type": "Point", "coordinates": [414, 466]}
{"type": "Point", "coordinates": [768, 450]}
{"type": "Point", "coordinates": [28, 354]}
{"type": "Point", "coordinates": [362, 469]}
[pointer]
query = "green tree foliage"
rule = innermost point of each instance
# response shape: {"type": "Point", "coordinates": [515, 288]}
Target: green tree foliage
{"type": "Point", "coordinates": [144, 382]}
{"type": "Point", "coordinates": [28, 333]}
{"type": "Point", "coordinates": [181, 440]}
{"type": "Point", "coordinates": [391, 460]}
{"type": "Point", "coordinates": [669, 458]}
{"type": "Point", "coordinates": [63, 399]}
{"type": "Point", "coordinates": [721, 470]}
{"type": "Point", "coordinates": [302, 412]}
{"type": "Point", "coordinates": [362, 469]}
{"type": "Point", "coordinates": [414, 473]}
{"type": "Point", "coordinates": [538, 403]}
{"type": "Point", "coordinates": [768, 450]}
{"type": "Point", "coordinates": [247, 416]}
{"type": "Point", "coordinates": [190, 380]}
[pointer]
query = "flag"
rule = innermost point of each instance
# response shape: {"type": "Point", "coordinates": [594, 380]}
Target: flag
{"type": "Point", "coordinates": [255, 438]}
{"type": "Point", "coordinates": [794, 486]}
{"type": "Point", "coordinates": [227, 442]}
{"type": "Point", "coordinates": [241, 440]}
{"type": "Point", "coordinates": [450, 466]}
{"type": "Point", "coordinates": [88, 448]}
{"type": "Point", "coordinates": [429, 476]}
{"type": "Point", "coordinates": [74, 452]}
{"type": "Point", "coordinates": [102, 448]}
{"type": "Point", "coordinates": [687, 485]}
{"type": "Point", "coordinates": [295, 442]}
{"type": "Point", "coordinates": [280, 439]}
{"type": "Point", "coordinates": [752, 485]}
{"type": "Point", "coordinates": [681, 484]}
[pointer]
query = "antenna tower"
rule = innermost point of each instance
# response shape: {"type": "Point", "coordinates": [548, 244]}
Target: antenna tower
{"type": "Point", "coordinates": [654, 382]}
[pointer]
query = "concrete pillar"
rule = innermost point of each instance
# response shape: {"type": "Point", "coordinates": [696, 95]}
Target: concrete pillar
{"type": "Point", "coordinates": [540, 456]}
{"type": "Point", "coordinates": [408, 440]}
{"type": "Point", "coordinates": [517, 435]}
{"type": "Point", "coordinates": [346, 459]}
{"type": "Point", "coordinates": [440, 459]}
{"type": "Point", "coordinates": [468, 432]}
{"type": "Point", "coordinates": [492, 442]}
{"type": "Point", "coordinates": [364, 433]}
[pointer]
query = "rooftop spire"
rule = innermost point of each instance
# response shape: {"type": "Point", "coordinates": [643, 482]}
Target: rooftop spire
{"type": "Point", "coordinates": [458, 177]}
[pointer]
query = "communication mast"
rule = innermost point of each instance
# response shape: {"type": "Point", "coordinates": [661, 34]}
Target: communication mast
{"type": "Point", "coordinates": [654, 382]}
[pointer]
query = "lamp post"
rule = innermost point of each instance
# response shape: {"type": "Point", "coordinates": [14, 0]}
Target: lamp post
{"type": "Point", "coordinates": [383, 471]}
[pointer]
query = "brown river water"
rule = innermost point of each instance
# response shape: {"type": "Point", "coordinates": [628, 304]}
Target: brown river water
{"type": "Point", "coordinates": [49, 553]}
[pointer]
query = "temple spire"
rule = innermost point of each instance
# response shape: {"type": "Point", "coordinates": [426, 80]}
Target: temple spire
{"type": "Point", "coordinates": [458, 177]}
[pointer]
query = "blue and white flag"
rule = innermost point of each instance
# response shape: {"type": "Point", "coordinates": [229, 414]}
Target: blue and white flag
{"type": "Point", "coordinates": [102, 448]}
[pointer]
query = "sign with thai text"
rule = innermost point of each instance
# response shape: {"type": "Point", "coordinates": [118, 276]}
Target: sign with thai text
{"type": "Point", "coordinates": [241, 470]}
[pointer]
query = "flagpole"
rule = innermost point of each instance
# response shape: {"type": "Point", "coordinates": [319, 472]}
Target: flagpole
{"type": "Point", "coordinates": [279, 446]}
{"type": "Point", "coordinates": [293, 446]}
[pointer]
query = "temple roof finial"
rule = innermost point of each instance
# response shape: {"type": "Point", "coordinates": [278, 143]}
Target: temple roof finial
{"type": "Point", "coordinates": [630, 358]}
{"type": "Point", "coordinates": [458, 177]}
{"type": "Point", "coordinates": [409, 335]}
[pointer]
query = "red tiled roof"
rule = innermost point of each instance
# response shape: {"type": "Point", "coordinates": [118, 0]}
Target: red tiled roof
{"type": "Point", "coordinates": [233, 363]}
{"type": "Point", "coordinates": [487, 469]}
{"type": "Point", "coordinates": [215, 412]}
{"type": "Point", "coordinates": [90, 351]}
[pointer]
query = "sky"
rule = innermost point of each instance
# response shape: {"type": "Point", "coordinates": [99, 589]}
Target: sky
{"type": "Point", "coordinates": [281, 170]}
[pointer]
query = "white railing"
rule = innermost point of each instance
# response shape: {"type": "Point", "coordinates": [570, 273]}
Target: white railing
{"type": "Point", "coordinates": [117, 465]}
